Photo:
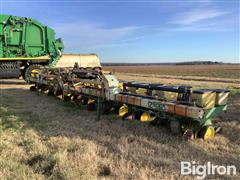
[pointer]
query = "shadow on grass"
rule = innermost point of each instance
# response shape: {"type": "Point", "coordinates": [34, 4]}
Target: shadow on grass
{"type": "Point", "coordinates": [13, 81]}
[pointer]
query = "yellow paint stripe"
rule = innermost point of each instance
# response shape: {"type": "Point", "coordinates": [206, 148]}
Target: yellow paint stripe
{"type": "Point", "coordinates": [26, 58]}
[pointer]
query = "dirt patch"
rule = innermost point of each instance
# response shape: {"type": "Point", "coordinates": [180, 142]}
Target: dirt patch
{"type": "Point", "coordinates": [104, 171]}
{"type": "Point", "coordinates": [42, 164]}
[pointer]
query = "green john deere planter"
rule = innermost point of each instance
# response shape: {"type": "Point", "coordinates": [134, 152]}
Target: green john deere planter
{"type": "Point", "coordinates": [26, 46]}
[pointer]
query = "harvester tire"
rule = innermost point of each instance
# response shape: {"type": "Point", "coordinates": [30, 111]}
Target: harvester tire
{"type": "Point", "coordinates": [28, 72]}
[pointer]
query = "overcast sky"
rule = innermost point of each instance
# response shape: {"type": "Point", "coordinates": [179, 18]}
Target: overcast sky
{"type": "Point", "coordinates": [140, 30]}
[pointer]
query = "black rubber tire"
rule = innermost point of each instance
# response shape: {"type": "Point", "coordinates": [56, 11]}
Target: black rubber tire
{"type": "Point", "coordinates": [28, 70]}
{"type": "Point", "coordinates": [91, 106]}
{"type": "Point", "coordinates": [67, 98]}
{"type": "Point", "coordinates": [50, 92]}
{"type": "Point", "coordinates": [74, 98]}
{"type": "Point", "coordinates": [84, 101]}
{"type": "Point", "coordinates": [202, 132]}
{"type": "Point", "coordinates": [137, 115]}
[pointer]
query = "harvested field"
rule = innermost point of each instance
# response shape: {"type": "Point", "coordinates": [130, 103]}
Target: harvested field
{"type": "Point", "coordinates": [216, 71]}
{"type": "Point", "coordinates": [42, 137]}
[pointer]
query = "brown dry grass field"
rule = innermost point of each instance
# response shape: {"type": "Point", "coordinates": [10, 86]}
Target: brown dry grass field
{"type": "Point", "coordinates": [216, 71]}
{"type": "Point", "coordinates": [45, 138]}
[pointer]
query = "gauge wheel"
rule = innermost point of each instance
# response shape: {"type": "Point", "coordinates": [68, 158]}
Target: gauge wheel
{"type": "Point", "coordinates": [206, 132]}
{"type": "Point", "coordinates": [145, 116]}
{"type": "Point", "coordinates": [123, 110]}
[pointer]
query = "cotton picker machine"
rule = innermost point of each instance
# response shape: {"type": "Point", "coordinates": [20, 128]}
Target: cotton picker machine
{"type": "Point", "coordinates": [26, 46]}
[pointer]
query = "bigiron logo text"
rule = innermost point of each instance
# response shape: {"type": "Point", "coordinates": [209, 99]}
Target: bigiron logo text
{"type": "Point", "coordinates": [201, 171]}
